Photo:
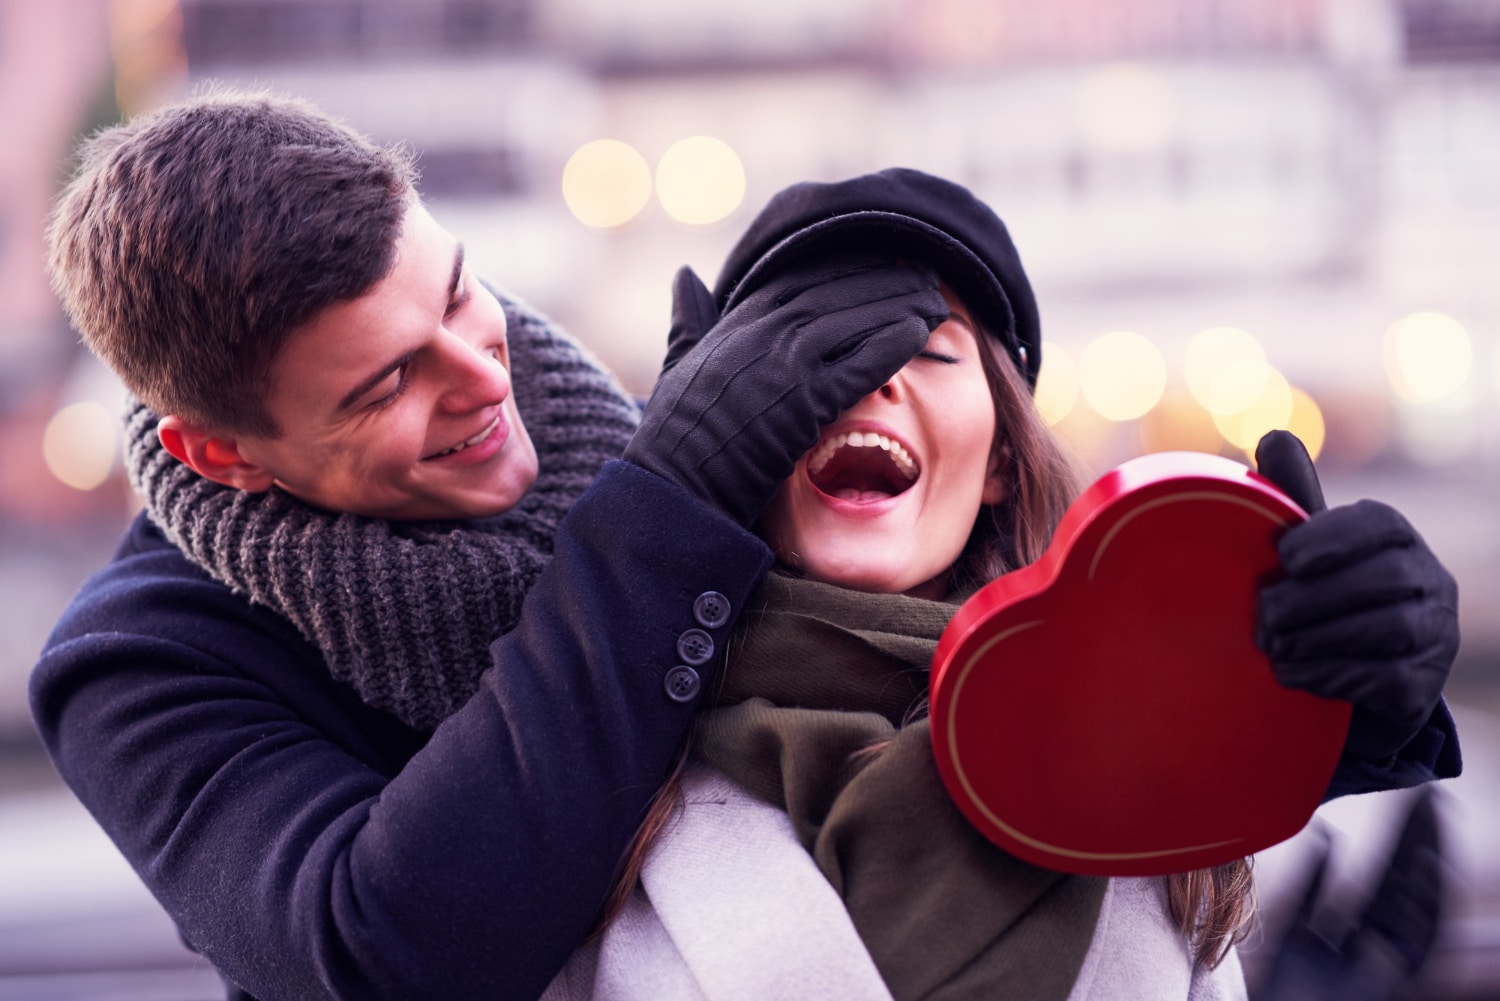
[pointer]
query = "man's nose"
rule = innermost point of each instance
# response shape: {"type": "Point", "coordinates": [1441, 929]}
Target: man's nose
{"type": "Point", "coordinates": [473, 378]}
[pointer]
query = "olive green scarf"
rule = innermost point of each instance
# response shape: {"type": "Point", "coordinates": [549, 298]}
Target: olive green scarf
{"type": "Point", "coordinates": [812, 717]}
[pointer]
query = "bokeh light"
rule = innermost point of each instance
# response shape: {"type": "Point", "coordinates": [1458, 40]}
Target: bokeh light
{"type": "Point", "coordinates": [80, 443]}
{"type": "Point", "coordinates": [700, 180]}
{"type": "Point", "coordinates": [1122, 375]}
{"type": "Point", "coordinates": [606, 183]}
{"type": "Point", "coordinates": [1056, 384]}
{"type": "Point", "coordinates": [1226, 369]}
{"type": "Point", "coordinates": [1093, 442]}
{"type": "Point", "coordinates": [1178, 424]}
{"type": "Point", "coordinates": [1306, 422]}
{"type": "Point", "coordinates": [1270, 411]}
{"type": "Point", "coordinates": [1427, 356]}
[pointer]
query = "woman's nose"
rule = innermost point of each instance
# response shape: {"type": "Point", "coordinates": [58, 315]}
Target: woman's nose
{"type": "Point", "coordinates": [893, 390]}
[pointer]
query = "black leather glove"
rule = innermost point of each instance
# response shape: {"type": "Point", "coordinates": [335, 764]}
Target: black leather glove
{"type": "Point", "coordinates": [1366, 613]}
{"type": "Point", "coordinates": [741, 398]}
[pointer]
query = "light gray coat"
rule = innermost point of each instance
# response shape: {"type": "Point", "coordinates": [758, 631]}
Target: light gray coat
{"type": "Point", "coordinates": [732, 908]}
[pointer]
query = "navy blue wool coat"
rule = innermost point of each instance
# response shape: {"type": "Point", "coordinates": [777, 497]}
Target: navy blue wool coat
{"type": "Point", "coordinates": [310, 846]}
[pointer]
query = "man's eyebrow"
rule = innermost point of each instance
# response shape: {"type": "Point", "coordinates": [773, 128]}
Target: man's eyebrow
{"type": "Point", "coordinates": [365, 385]}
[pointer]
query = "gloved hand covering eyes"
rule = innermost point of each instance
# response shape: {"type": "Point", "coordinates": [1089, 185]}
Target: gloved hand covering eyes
{"type": "Point", "coordinates": [741, 397]}
{"type": "Point", "coordinates": [1366, 612]}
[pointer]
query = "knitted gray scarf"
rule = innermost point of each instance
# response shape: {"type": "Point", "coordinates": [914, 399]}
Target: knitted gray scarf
{"type": "Point", "coordinates": [404, 612]}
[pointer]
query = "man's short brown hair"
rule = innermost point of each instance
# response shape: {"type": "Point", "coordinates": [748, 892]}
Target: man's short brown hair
{"type": "Point", "coordinates": [194, 240]}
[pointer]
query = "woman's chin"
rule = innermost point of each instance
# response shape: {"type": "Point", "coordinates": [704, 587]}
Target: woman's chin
{"type": "Point", "coordinates": [857, 575]}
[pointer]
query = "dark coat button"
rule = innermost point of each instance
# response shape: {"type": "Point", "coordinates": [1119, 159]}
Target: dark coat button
{"type": "Point", "coordinates": [682, 683]}
{"type": "Point", "coordinates": [711, 609]}
{"type": "Point", "coordinates": [695, 646]}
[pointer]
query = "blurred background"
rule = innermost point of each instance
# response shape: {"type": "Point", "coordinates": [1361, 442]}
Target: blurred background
{"type": "Point", "coordinates": [1237, 214]}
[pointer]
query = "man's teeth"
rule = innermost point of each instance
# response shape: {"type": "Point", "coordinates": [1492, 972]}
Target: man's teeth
{"type": "Point", "coordinates": [861, 439]}
{"type": "Point", "coordinates": [481, 436]}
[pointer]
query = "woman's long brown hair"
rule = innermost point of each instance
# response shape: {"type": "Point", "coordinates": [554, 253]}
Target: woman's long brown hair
{"type": "Point", "coordinates": [1212, 907]}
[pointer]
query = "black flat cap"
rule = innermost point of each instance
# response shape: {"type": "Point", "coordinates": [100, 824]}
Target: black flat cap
{"type": "Point", "coordinates": [909, 213]}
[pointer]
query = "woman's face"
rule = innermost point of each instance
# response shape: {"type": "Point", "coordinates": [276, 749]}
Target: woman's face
{"type": "Point", "coordinates": [887, 498]}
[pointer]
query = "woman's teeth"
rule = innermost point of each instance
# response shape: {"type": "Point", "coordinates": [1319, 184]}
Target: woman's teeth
{"type": "Point", "coordinates": [861, 439]}
{"type": "Point", "coordinates": [481, 436]}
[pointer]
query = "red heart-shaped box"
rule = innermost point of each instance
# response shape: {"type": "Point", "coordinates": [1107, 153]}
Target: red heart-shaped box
{"type": "Point", "coordinates": [1105, 710]}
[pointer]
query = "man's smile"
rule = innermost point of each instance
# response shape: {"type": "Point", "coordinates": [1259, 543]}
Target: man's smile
{"type": "Point", "coordinates": [497, 427]}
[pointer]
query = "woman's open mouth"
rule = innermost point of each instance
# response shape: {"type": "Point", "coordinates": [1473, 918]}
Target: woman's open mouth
{"type": "Point", "coordinates": [861, 466]}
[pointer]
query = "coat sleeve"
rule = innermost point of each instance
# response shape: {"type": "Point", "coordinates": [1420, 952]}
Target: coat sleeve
{"type": "Point", "coordinates": [1432, 754]}
{"type": "Point", "coordinates": [306, 859]}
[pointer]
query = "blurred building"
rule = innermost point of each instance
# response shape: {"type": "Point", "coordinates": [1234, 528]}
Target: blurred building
{"type": "Point", "coordinates": [54, 85]}
{"type": "Point", "coordinates": [1310, 170]}
{"type": "Point", "coordinates": [53, 60]}
{"type": "Point", "coordinates": [1316, 174]}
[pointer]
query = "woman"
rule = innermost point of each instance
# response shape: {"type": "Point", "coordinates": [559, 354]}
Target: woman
{"type": "Point", "coordinates": [906, 503]}
{"type": "Point", "coordinates": [806, 847]}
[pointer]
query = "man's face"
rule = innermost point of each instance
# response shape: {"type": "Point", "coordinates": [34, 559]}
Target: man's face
{"type": "Point", "coordinates": [398, 404]}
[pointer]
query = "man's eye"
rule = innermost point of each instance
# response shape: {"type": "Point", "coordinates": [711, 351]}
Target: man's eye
{"type": "Point", "coordinates": [461, 296]}
{"type": "Point", "coordinates": [392, 390]}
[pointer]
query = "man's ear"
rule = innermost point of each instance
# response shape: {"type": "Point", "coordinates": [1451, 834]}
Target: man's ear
{"type": "Point", "coordinates": [995, 478]}
{"type": "Point", "coordinates": [211, 456]}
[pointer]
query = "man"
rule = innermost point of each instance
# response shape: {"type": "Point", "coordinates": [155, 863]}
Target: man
{"type": "Point", "coordinates": [268, 282]}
